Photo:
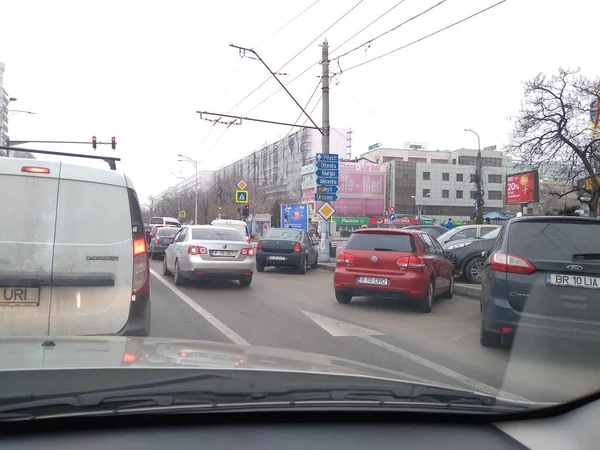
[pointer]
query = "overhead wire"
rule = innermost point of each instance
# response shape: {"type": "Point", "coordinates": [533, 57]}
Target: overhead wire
{"type": "Point", "coordinates": [425, 37]}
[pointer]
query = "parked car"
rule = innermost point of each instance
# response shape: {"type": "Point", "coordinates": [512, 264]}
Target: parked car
{"type": "Point", "coordinates": [286, 247]}
{"type": "Point", "coordinates": [206, 252]}
{"type": "Point", "coordinates": [435, 230]}
{"type": "Point", "coordinates": [396, 263]}
{"type": "Point", "coordinates": [466, 255]}
{"type": "Point", "coordinates": [163, 237]}
{"type": "Point", "coordinates": [239, 225]}
{"type": "Point", "coordinates": [73, 258]}
{"type": "Point", "coordinates": [543, 277]}
{"type": "Point", "coordinates": [466, 232]}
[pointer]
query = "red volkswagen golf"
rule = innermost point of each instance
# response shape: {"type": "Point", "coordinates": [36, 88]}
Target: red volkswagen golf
{"type": "Point", "coordinates": [385, 262]}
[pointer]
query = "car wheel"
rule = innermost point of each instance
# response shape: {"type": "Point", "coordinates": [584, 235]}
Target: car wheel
{"type": "Point", "coordinates": [474, 270]}
{"type": "Point", "coordinates": [260, 267]}
{"type": "Point", "coordinates": [245, 281]}
{"type": "Point", "coordinates": [488, 338]}
{"type": "Point", "coordinates": [165, 270]}
{"type": "Point", "coordinates": [450, 292]}
{"type": "Point", "coordinates": [303, 266]}
{"type": "Point", "coordinates": [425, 305]}
{"type": "Point", "coordinates": [178, 278]}
{"type": "Point", "coordinates": [315, 265]}
{"type": "Point", "coordinates": [343, 297]}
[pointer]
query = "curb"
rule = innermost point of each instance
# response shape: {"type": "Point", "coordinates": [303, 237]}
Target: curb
{"type": "Point", "coordinates": [326, 267]}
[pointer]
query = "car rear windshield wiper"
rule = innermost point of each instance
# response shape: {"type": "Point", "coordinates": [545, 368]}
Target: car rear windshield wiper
{"type": "Point", "coordinates": [381, 249]}
{"type": "Point", "coordinates": [586, 256]}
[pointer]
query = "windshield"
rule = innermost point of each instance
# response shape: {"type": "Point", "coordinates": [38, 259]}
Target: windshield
{"type": "Point", "coordinates": [399, 190]}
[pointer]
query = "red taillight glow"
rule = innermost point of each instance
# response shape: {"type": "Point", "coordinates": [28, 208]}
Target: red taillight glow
{"type": "Point", "coordinates": [157, 239]}
{"type": "Point", "coordinates": [259, 245]}
{"type": "Point", "coordinates": [248, 239]}
{"type": "Point", "coordinates": [412, 262]}
{"type": "Point", "coordinates": [35, 169]}
{"type": "Point", "coordinates": [129, 357]}
{"type": "Point", "coordinates": [345, 258]}
{"type": "Point", "coordinates": [297, 247]}
{"type": "Point", "coordinates": [141, 267]}
{"type": "Point", "coordinates": [139, 246]}
{"type": "Point", "coordinates": [504, 262]}
{"type": "Point", "coordinates": [247, 251]}
{"type": "Point", "coordinates": [197, 250]}
{"type": "Point", "coordinates": [183, 354]}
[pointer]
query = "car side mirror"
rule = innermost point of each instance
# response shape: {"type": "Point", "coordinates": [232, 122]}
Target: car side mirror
{"type": "Point", "coordinates": [485, 254]}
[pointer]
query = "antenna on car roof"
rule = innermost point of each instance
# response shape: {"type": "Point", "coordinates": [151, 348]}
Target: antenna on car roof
{"type": "Point", "coordinates": [110, 160]}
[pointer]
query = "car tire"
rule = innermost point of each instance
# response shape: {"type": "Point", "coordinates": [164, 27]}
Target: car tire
{"type": "Point", "coordinates": [302, 268]}
{"type": "Point", "coordinates": [489, 339]}
{"type": "Point", "coordinates": [178, 278]}
{"type": "Point", "coordinates": [260, 267]}
{"type": "Point", "coordinates": [343, 297]}
{"type": "Point", "coordinates": [245, 281]}
{"type": "Point", "coordinates": [473, 265]}
{"type": "Point", "coordinates": [165, 270]}
{"type": "Point", "coordinates": [315, 265]}
{"type": "Point", "coordinates": [425, 305]}
{"type": "Point", "coordinates": [450, 292]}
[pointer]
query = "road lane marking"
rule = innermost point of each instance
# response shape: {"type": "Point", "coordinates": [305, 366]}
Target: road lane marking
{"type": "Point", "coordinates": [232, 335]}
{"type": "Point", "coordinates": [339, 328]}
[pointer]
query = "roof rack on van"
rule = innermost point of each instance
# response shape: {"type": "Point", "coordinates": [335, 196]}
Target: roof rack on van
{"type": "Point", "coordinates": [110, 160]}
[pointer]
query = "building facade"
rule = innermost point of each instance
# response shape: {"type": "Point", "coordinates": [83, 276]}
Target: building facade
{"type": "Point", "coordinates": [4, 100]}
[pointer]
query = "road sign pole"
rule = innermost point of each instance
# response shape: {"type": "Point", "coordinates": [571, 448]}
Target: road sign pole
{"type": "Point", "coordinates": [325, 253]}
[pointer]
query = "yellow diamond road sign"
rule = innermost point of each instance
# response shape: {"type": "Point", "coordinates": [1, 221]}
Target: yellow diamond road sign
{"type": "Point", "coordinates": [242, 185]}
{"type": "Point", "coordinates": [326, 211]}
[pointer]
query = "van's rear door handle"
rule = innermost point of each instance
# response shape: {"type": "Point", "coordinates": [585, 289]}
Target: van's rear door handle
{"type": "Point", "coordinates": [91, 280]}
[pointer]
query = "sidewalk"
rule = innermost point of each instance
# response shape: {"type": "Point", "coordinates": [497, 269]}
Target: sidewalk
{"type": "Point", "coordinates": [473, 291]}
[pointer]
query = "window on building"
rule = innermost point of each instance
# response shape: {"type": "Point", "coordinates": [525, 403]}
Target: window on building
{"type": "Point", "coordinates": [415, 159]}
{"type": "Point", "coordinates": [495, 195]}
{"type": "Point", "coordinates": [459, 194]}
{"type": "Point", "coordinates": [494, 178]}
{"type": "Point", "coordinates": [472, 178]}
{"type": "Point", "coordinates": [459, 177]}
{"type": "Point", "coordinates": [445, 193]}
{"type": "Point", "coordinates": [426, 175]}
{"type": "Point", "coordinates": [445, 176]}
{"type": "Point", "coordinates": [454, 161]}
{"type": "Point", "coordinates": [426, 192]}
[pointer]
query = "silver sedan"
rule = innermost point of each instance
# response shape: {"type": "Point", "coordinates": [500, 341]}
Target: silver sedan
{"type": "Point", "coordinates": [206, 252]}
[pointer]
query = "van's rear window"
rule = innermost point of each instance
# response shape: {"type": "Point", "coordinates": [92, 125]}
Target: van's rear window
{"type": "Point", "coordinates": [381, 241]}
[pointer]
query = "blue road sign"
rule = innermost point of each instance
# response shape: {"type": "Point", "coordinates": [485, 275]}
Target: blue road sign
{"type": "Point", "coordinates": [334, 165]}
{"type": "Point", "coordinates": [326, 157]}
{"type": "Point", "coordinates": [327, 189]}
{"type": "Point", "coordinates": [327, 181]}
{"type": "Point", "coordinates": [241, 196]}
{"type": "Point", "coordinates": [326, 197]}
{"type": "Point", "coordinates": [392, 217]}
{"type": "Point", "coordinates": [327, 173]}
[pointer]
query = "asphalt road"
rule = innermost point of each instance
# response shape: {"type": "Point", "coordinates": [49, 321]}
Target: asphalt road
{"type": "Point", "coordinates": [291, 311]}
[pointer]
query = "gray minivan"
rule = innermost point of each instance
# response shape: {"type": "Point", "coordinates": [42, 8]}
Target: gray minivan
{"type": "Point", "coordinates": [73, 257]}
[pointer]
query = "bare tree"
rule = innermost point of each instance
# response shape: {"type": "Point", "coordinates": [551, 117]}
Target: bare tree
{"type": "Point", "coordinates": [554, 126]}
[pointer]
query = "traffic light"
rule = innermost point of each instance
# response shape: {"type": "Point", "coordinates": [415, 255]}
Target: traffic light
{"type": "Point", "coordinates": [246, 211]}
{"type": "Point", "coordinates": [94, 142]}
{"type": "Point", "coordinates": [113, 142]}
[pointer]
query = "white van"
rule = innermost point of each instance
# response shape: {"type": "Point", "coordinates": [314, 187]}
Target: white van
{"type": "Point", "coordinates": [238, 225]}
{"type": "Point", "coordinates": [73, 257]}
{"type": "Point", "coordinates": [164, 221]}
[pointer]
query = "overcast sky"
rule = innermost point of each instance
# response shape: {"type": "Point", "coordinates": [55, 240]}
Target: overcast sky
{"type": "Point", "coordinates": [139, 70]}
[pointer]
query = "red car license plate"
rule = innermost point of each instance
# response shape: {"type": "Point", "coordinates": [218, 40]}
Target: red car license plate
{"type": "Point", "coordinates": [372, 280]}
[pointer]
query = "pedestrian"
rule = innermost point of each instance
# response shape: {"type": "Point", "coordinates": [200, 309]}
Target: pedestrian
{"type": "Point", "coordinates": [449, 225]}
{"type": "Point", "coordinates": [289, 226]}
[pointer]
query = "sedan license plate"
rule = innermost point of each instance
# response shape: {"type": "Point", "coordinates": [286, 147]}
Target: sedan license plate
{"type": "Point", "coordinates": [277, 258]}
{"type": "Point", "coordinates": [19, 296]}
{"type": "Point", "coordinates": [223, 253]}
{"type": "Point", "coordinates": [578, 281]}
{"type": "Point", "coordinates": [372, 280]}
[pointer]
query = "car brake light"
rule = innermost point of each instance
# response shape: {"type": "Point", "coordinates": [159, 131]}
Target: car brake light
{"type": "Point", "coordinates": [197, 250]}
{"type": "Point", "coordinates": [504, 262]}
{"type": "Point", "coordinates": [345, 258]}
{"type": "Point", "coordinates": [129, 357]}
{"type": "Point", "coordinates": [157, 239]}
{"type": "Point", "coordinates": [297, 247]}
{"type": "Point", "coordinates": [35, 169]}
{"type": "Point", "coordinates": [259, 245]}
{"type": "Point", "coordinates": [247, 251]}
{"type": "Point", "coordinates": [413, 262]}
{"type": "Point", "coordinates": [141, 267]}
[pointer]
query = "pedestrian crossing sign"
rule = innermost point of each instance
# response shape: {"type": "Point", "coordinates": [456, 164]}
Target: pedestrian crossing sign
{"type": "Point", "coordinates": [241, 196]}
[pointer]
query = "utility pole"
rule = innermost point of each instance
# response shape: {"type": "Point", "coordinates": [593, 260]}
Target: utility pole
{"type": "Point", "coordinates": [349, 144]}
{"type": "Point", "coordinates": [219, 193]}
{"type": "Point", "coordinates": [479, 201]}
{"type": "Point", "coordinates": [195, 164]}
{"type": "Point", "coordinates": [325, 254]}
{"type": "Point", "coordinates": [253, 198]}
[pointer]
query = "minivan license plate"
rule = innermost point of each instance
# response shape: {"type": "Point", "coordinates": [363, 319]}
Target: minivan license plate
{"type": "Point", "coordinates": [19, 296]}
{"type": "Point", "coordinates": [373, 280]}
{"type": "Point", "coordinates": [577, 281]}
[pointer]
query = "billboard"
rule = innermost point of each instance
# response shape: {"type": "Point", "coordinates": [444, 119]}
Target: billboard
{"type": "Point", "coordinates": [295, 216]}
{"type": "Point", "coordinates": [523, 187]}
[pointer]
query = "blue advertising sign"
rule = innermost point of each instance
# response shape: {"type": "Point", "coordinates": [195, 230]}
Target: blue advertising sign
{"type": "Point", "coordinates": [327, 181]}
{"type": "Point", "coordinates": [326, 197]}
{"type": "Point", "coordinates": [295, 216]}
{"type": "Point", "coordinates": [327, 173]}
{"type": "Point", "coordinates": [327, 189]}
{"type": "Point", "coordinates": [328, 165]}
{"type": "Point", "coordinates": [326, 157]}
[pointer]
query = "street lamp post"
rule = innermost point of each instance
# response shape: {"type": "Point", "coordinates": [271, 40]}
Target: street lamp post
{"type": "Point", "coordinates": [195, 164]}
{"type": "Point", "coordinates": [419, 208]}
{"type": "Point", "coordinates": [478, 174]}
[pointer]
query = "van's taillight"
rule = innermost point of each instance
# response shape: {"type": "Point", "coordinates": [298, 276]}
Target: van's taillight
{"type": "Point", "coordinates": [504, 262]}
{"type": "Point", "coordinates": [247, 251]}
{"type": "Point", "coordinates": [197, 250]}
{"type": "Point", "coordinates": [345, 259]}
{"type": "Point", "coordinates": [412, 262]}
{"type": "Point", "coordinates": [35, 169]}
{"type": "Point", "coordinates": [129, 357]}
{"type": "Point", "coordinates": [141, 267]}
{"type": "Point", "coordinates": [297, 247]}
{"type": "Point", "coordinates": [259, 245]}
